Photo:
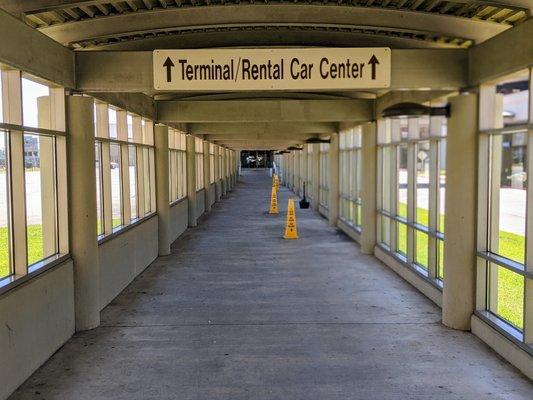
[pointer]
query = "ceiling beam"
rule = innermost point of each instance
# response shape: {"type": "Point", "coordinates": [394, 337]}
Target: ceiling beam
{"type": "Point", "coordinates": [265, 110]}
{"type": "Point", "coordinates": [407, 96]}
{"type": "Point", "coordinates": [263, 128]}
{"type": "Point", "coordinates": [260, 136]}
{"type": "Point", "coordinates": [507, 53]}
{"type": "Point", "coordinates": [136, 103]}
{"type": "Point", "coordinates": [26, 49]}
{"type": "Point", "coordinates": [223, 15]}
{"type": "Point", "coordinates": [27, 6]}
{"type": "Point", "coordinates": [125, 71]}
{"type": "Point", "coordinates": [268, 35]}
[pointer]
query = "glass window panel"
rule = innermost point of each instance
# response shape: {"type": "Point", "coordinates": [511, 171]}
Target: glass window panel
{"type": "Point", "coordinates": [112, 123]}
{"type": "Point", "coordinates": [440, 259]}
{"type": "Point", "coordinates": [402, 238]}
{"type": "Point", "coordinates": [421, 249]}
{"type": "Point", "coordinates": [152, 180]}
{"type": "Point", "coordinates": [39, 176]}
{"type": "Point", "coordinates": [146, 173]}
{"type": "Point", "coordinates": [422, 183]}
{"type": "Point", "coordinates": [5, 268]}
{"type": "Point", "coordinates": [386, 182]}
{"type": "Point", "coordinates": [515, 101]}
{"type": "Point", "coordinates": [116, 184]}
{"type": "Point", "coordinates": [508, 209]}
{"type": "Point", "coordinates": [129, 120]}
{"type": "Point", "coordinates": [506, 294]}
{"type": "Point", "coordinates": [385, 230]}
{"type": "Point", "coordinates": [31, 91]}
{"type": "Point", "coordinates": [99, 201]}
{"type": "Point", "coordinates": [132, 161]}
{"type": "Point", "coordinates": [1, 105]}
{"type": "Point", "coordinates": [442, 183]}
{"type": "Point", "coordinates": [402, 180]}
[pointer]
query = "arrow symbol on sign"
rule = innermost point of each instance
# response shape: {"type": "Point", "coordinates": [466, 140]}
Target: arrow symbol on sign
{"type": "Point", "coordinates": [169, 64]}
{"type": "Point", "coordinates": [373, 61]}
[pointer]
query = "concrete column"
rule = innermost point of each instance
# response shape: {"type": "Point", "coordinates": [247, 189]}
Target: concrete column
{"type": "Point", "coordinates": [207, 175]}
{"type": "Point", "coordinates": [293, 170]}
{"type": "Point", "coordinates": [82, 193]}
{"type": "Point", "coordinates": [218, 188]}
{"type": "Point", "coordinates": [303, 169]}
{"type": "Point", "coordinates": [223, 182]}
{"type": "Point", "coordinates": [458, 300]}
{"type": "Point", "coordinates": [162, 189]}
{"type": "Point", "coordinates": [367, 188]}
{"type": "Point", "coordinates": [333, 207]}
{"type": "Point", "coordinates": [227, 171]}
{"type": "Point", "coordinates": [296, 163]}
{"type": "Point", "coordinates": [191, 180]}
{"type": "Point", "coordinates": [315, 165]}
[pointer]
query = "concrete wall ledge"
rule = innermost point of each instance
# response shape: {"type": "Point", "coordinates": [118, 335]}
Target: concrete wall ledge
{"type": "Point", "coordinates": [323, 210]}
{"type": "Point", "coordinates": [125, 256]}
{"type": "Point", "coordinates": [427, 289]}
{"type": "Point", "coordinates": [179, 214]}
{"type": "Point", "coordinates": [36, 319]}
{"type": "Point", "coordinates": [503, 346]}
{"type": "Point", "coordinates": [349, 230]}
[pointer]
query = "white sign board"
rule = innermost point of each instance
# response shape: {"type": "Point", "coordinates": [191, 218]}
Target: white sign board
{"type": "Point", "coordinates": [272, 69]}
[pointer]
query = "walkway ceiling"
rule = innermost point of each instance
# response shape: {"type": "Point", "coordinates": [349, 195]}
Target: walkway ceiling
{"type": "Point", "coordinates": [144, 25]}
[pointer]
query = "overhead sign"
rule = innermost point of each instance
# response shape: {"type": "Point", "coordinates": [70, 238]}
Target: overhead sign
{"type": "Point", "coordinates": [272, 69]}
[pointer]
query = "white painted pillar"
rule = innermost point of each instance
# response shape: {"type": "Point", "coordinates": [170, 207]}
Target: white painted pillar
{"type": "Point", "coordinates": [303, 170]}
{"type": "Point", "coordinates": [368, 187]}
{"type": "Point", "coordinates": [207, 176]}
{"type": "Point", "coordinates": [458, 301]}
{"type": "Point", "coordinates": [315, 164]}
{"type": "Point", "coordinates": [82, 193]}
{"type": "Point", "coordinates": [223, 181]}
{"type": "Point", "coordinates": [296, 163]}
{"type": "Point", "coordinates": [218, 188]}
{"type": "Point", "coordinates": [191, 180]}
{"type": "Point", "coordinates": [162, 188]}
{"type": "Point", "coordinates": [333, 207]}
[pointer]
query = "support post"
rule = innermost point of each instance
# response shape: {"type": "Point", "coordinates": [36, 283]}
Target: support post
{"type": "Point", "coordinates": [191, 180]}
{"type": "Point", "coordinates": [333, 207]}
{"type": "Point", "coordinates": [218, 188]}
{"type": "Point", "coordinates": [82, 193]}
{"type": "Point", "coordinates": [207, 176]}
{"type": "Point", "coordinates": [316, 176]}
{"type": "Point", "coordinates": [368, 188]}
{"type": "Point", "coordinates": [458, 300]}
{"type": "Point", "coordinates": [162, 188]}
{"type": "Point", "coordinates": [303, 170]}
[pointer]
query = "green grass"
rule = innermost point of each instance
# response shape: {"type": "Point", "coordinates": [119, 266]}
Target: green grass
{"type": "Point", "coordinates": [510, 285]}
{"type": "Point", "coordinates": [35, 247]}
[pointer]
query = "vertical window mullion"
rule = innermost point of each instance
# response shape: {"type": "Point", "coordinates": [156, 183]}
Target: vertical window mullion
{"type": "Point", "coordinates": [12, 110]}
{"type": "Point", "coordinates": [411, 199]}
{"type": "Point", "coordinates": [141, 181]}
{"type": "Point", "coordinates": [528, 287]}
{"type": "Point", "coordinates": [434, 180]}
{"type": "Point", "coordinates": [393, 154]}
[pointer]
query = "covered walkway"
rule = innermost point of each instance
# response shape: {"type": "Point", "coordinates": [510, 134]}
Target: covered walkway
{"type": "Point", "coordinates": [236, 312]}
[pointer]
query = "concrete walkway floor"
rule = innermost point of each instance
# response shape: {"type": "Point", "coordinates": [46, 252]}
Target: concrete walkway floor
{"type": "Point", "coordinates": [236, 312]}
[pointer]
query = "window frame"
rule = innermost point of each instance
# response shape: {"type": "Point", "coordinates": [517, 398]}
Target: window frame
{"type": "Point", "coordinates": [52, 124]}
{"type": "Point", "coordinates": [393, 133]}
{"type": "Point", "coordinates": [491, 126]}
